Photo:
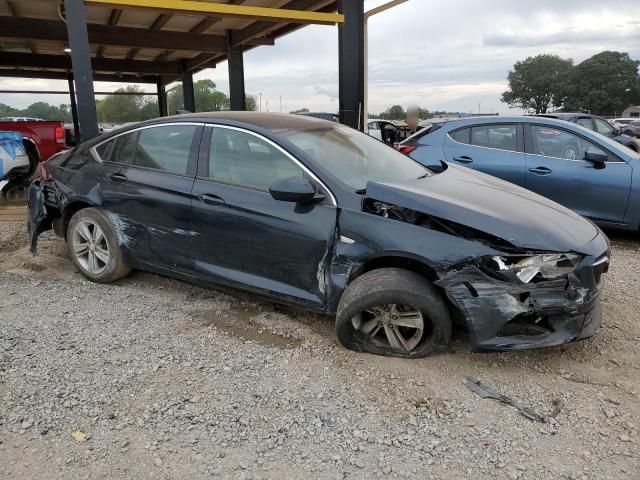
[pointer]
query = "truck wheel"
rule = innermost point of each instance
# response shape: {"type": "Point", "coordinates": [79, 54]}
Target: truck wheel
{"type": "Point", "coordinates": [393, 312]}
{"type": "Point", "coordinates": [93, 246]}
{"type": "Point", "coordinates": [34, 158]}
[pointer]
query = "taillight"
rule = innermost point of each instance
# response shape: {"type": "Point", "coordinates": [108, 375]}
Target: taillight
{"type": "Point", "coordinates": [44, 172]}
{"type": "Point", "coordinates": [406, 149]}
{"type": "Point", "coordinates": [60, 135]}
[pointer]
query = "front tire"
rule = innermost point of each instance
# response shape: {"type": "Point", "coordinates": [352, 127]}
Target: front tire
{"type": "Point", "coordinates": [93, 247]}
{"type": "Point", "coordinates": [393, 312]}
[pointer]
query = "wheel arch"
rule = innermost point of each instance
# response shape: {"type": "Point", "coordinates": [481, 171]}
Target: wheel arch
{"type": "Point", "coordinates": [398, 260]}
{"type": "Point", "coordinates": [70, 210]}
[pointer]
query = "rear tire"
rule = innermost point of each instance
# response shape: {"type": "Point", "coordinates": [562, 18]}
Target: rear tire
{"type": "Point", "coordinates": [94, 248]}
{"type": "Point", "coordinates": [393, 312]}
{"type": "Point", "coordinates": [34, 158]}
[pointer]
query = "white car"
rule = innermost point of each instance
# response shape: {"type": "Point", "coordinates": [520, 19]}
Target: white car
{"type": "Point", "coordinates": [622, 122]}
{"type": "Point", "coordinates": [383, 130]}
{"type": "Point", "coordinates": [14, 161]}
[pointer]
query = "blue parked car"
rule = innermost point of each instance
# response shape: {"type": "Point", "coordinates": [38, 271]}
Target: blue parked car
{"type": "Point", "coordinates": [576, 167]}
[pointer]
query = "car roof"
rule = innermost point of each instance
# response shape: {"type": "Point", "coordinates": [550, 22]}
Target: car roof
{"type": "Point", "coordinates": [275, 122]}
{"type": "Point", "coordinates": [500, 119]}
{"type": "Point", "coordinates": [560, 114]}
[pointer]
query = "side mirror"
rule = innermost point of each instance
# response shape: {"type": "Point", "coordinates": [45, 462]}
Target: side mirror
{"type": "Point", "coordinates": [294, 189]}
{"type": "Point", "coordinates": [599, 159]}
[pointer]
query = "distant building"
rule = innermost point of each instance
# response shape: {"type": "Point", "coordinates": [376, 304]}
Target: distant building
{"type": "Point", "coordinates": [631, 112]}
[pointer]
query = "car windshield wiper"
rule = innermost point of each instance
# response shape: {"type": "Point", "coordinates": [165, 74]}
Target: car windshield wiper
{"type": "Point", "coordinates": [362, 191]}
{"type": "Point", "coordinates": [424, 176]}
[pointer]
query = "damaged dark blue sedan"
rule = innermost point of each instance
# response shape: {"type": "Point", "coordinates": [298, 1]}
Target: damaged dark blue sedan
{"type": "Point", "coordinates": [312, 213]}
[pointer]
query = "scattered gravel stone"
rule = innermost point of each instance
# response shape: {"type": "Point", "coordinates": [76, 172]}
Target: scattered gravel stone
{"type": "Point", "coordinates": [160, 374]}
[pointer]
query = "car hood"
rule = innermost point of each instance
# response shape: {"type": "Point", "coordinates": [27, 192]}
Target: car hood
{"type": "Point", "coordinates": [624, 139]}
{"type": "Point", "coordinates": [492, 206]}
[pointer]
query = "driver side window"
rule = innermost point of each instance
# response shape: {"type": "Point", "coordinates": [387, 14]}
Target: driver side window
{"type": "Point", "coordinates": [603, 127]}
{"type": "Point", "coordinates": [553, 142]}
{"type": "Point", "coordinates": [243, 159]}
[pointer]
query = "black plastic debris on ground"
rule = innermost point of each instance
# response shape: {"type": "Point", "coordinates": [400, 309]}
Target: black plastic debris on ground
{"type": "Point", "coordinates": [485, 391]}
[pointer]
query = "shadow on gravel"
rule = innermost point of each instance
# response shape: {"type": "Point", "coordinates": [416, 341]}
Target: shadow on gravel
{"type": "Point", "coordinates": [246, 329]}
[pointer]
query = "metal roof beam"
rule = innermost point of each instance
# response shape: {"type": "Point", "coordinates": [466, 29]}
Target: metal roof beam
{"type": "Point", "coordinates": [260, 28]}
{"type": "Point", "coordinates": [97, 77]}
{"type": "Point", "coordinates": [114, 18]}
{"type": "Point", "coordinates": [63, 62]}
{"type": "Point", "coordinates": [157, 24]}
{"type": "Point", "coordinates": [32, 28]}
{"type": "Point", "coordinates": [226, 10]}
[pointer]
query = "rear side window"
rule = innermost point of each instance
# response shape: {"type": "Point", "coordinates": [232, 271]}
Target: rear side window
{"type": "Point", "coordinates": [462, 135]}
{"type": "Point", "coordinates": [501, 137]}
{"type": "Point", "coordinates": [119, 150]}
{"type": "Point", "coordinates": [165, 148]}
{"type": "Point", "coordinates": [585, 122]}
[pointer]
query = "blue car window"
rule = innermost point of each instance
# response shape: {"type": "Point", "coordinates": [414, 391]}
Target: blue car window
{"type": "Point", "coordinates": [461, 136]}
{"type": "Point", "coordinates": [500, 136]}
{"type": "Point", "coordinates": [553, 142]}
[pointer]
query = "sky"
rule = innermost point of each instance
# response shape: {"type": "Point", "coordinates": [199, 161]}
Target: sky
{"type": "Point", "coordinates": [442, 55]}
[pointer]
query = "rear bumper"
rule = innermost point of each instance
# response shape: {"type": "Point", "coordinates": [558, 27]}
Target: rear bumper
{"type": "Point", "coordinates": [38, 218]}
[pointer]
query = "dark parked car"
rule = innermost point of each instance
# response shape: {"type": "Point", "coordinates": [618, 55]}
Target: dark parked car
{"type": "Point", "coordinates": [597, 124]}
{"type": "Point", "coordinates": [628, 126]}
{"type": "Point", "coordinates": [578, 168]}
{"type": "Point", "coordinates": [322, 115]}
{"type": "Point", "coordinates": [313, 213]}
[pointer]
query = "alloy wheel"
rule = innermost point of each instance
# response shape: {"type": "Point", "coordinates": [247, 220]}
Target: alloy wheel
{"type": "Point", "coordinates": [400, 327]}
{"type": "Point", "coordinates": [570, 153]}
{"type": "Point", "coordinates": [90, 247]}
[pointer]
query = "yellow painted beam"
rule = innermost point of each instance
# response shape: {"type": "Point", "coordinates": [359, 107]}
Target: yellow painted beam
{"type": "Point", "coordinates": [225, 10]}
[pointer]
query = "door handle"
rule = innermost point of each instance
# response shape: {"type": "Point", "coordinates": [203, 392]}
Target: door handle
{"type": "Point", "coordinates": [117, 177]}
{"type": "Point", "coordinates": [463, 159]}
{"type": "Point", "coordinates": [211, 199]}
{"type": "Point", "coordinates": [540, 170]}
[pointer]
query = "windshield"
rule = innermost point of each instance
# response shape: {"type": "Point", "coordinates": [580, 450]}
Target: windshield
{"type": "Point", "coordinates": [353, 157]}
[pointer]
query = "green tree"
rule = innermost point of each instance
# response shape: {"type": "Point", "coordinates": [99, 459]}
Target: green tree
{"type": "Point", "coordinates": [396, 112]}
{"type": "Point", "coordinates": [46, 111]}
{"type": "Point", "coordinates": [208, 99]}
{"type": "Point", "coordinates": [250, 103]}
{"type": "Point", "coordinates": [604, 84]}
{"type": "Point", "coordinates": [7, 111]}
{"type": "Point", "coordinates": [538, 83]}
{"type": "Point", "coordinates": [423, 113]}
{"type": "Point", "coordinates": [125, 108]}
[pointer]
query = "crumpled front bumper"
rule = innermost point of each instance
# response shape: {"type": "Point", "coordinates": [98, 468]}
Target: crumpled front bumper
{"type": "Point", "coordinates": [503, 315]}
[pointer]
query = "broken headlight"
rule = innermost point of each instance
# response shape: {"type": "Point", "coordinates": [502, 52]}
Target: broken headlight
{"type": "Point", "coordinates": [552, 265]}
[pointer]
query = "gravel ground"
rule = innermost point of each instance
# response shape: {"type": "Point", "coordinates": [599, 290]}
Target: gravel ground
{"type": "Point", "coordinates": [156, 378]}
